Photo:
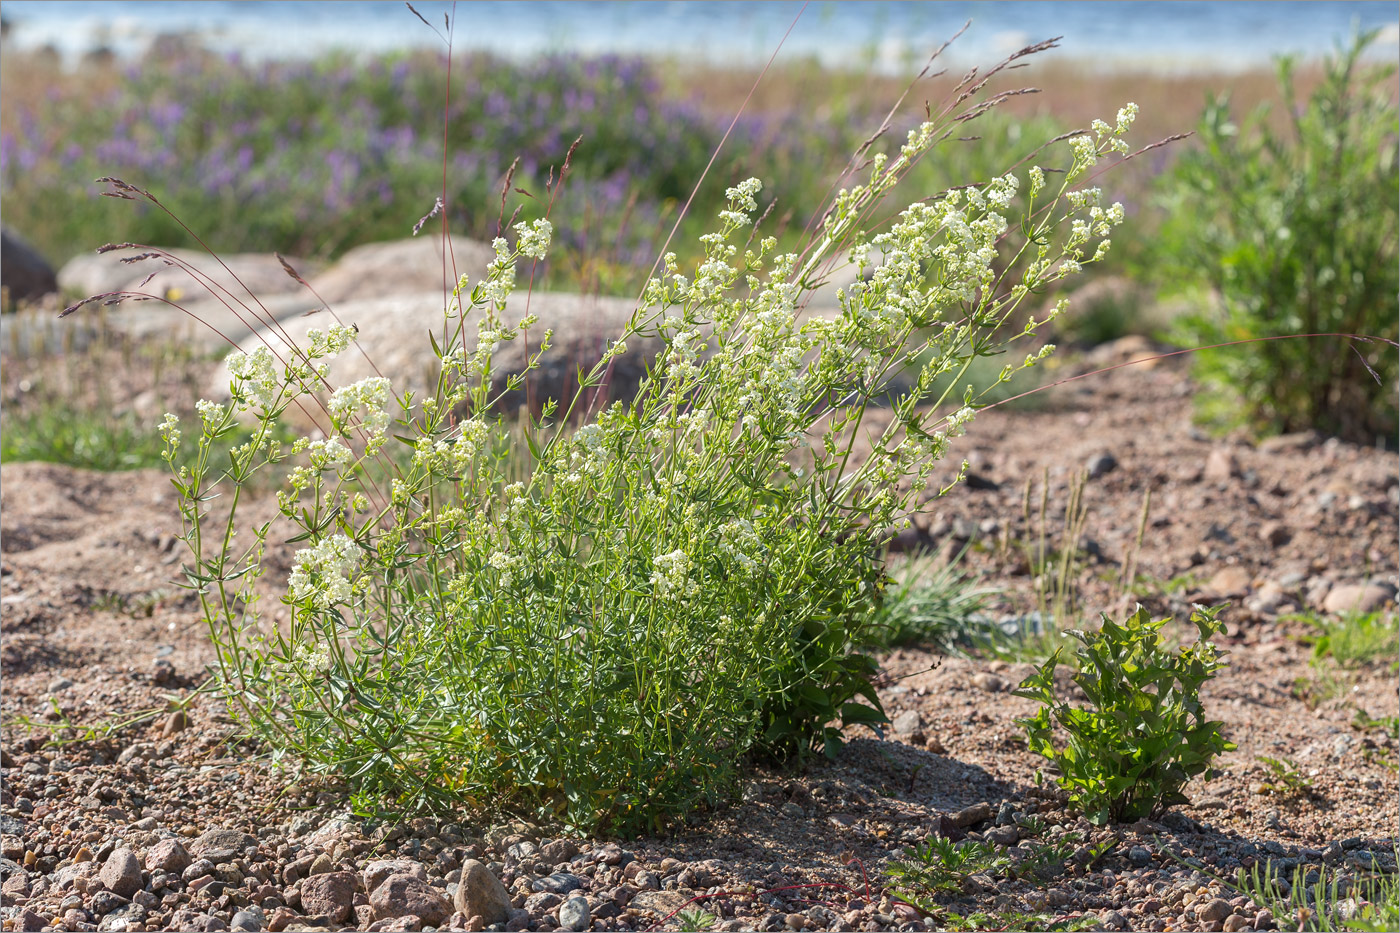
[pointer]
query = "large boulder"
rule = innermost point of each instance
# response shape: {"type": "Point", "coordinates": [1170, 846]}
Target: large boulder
{"type": "Point", "coordinates": [399, 267]}
{"type": "Point", "coordinates": [394, 335]}
{"type": "Point", "coordinates": [259, 273]}
{"type": "Point", "coordinates": [23, 271]}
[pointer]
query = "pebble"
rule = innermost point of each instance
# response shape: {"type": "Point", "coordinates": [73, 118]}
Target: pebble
{"type": "Point", "coordinates": [1220, 466]}
{"type": "Point", "coordinates": [402, 894]}
{"type": "Point", "coordinates": [989, 682]}
{"type": "Point", "coordinates": [1229, 582]}
{"type": "Point", "coordinates": [574, 914]}
{"type": "Point", "coordinates": [481, 894]}
{"type": "Point", "coordinates": [330, 894]}
{"type": "Point", "coordinates": [1358, 597]}
{"type": "Point", "coordinates": [971, 816]}
{"type": "Point", "coordinates": [250, 919]}
{"type": "Point", "coordinates": [379, 869]}
{"type": "Point", "coordinates": [221, 845]}
{"type": "Point", "coordinates": [1101, 464]}
{"type": "Point", "coordinates": [1214, 910]}
{"type": "Point", "coordinates": [560, 882]}
{"type": "Point", "coordinates": [121, 873]}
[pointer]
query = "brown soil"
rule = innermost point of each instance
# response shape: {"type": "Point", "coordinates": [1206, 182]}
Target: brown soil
{"type": "Point", "coordinates": [96, 632]}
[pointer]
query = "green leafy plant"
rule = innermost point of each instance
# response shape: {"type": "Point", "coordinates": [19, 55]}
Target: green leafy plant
{"type": "Point", "coordinates": [941, 866]}
{"type": "Point", "coordinates": [693, 918]}
{"type": "Point", "coordinates": [1296, 233]}
{"type": "Point", "coordinates": [1144, 734]}
{"type": "Point", "coordinates": [682, 580]}
{"type": "Point", "coordinates": [1285, 780]}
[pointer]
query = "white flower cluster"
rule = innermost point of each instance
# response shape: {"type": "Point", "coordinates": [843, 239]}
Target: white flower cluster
{"type": "Point", "coordinates": [739, 541]}
{"type": "Point", "coordinates": [369, 398]}
{"type": "Point", "coordinates": [506, 565]}
{"type": "Point", "coordinates": [534, 239]}
{"type": "Point", "coordinates": [255, 377]}
{"type": "Point", "coordinates": [670, 576]}
{"type": "Point", "coordinates": [322, 572]}
{"type": "Point", "coordinates": [330, 454]}
{"type": "Point", "coordinates": [500, 275]}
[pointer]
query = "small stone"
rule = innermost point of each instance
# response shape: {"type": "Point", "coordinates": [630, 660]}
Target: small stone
{"type": "Point", "coordinates": [104, 902]}
{"type": "Point", "coordinates": [1358, 597]}
{"type": "Point", "coordinates": [971, 816]}
{"type": "Point", "coordinates": [907, 723]}
{"type": "Point", "coordinates": [221, 845]}
{"type": "Point", "coordinates": [1214, 910]}
{"type": "Point", "coordinates": [1211, 803]}
{"type": "Point", "coordinates": [1100, 464]}
{"type": "Point", "coordinates": [1139, 856]}
{"type": "Point", "coordinates": [320, 865]}
{"type": "Point", "coordinates": [402, 894]}
{"type": "Point", "coordinates": [330, 894]}
{"type": "Point", "coordinates": [1003, 835]}
{"type": "Point", "coordinates": [1221, 466]}
{"type": "Point", "coordinates": [480, 893]}
{"type": "Point", "coordinates": [794, 921]}
{"type": "Point", "coordinates": [250, 920]}
{"type": "Point", "coordinates": [1114, 920]}
{"type": "Point", "coordinates": [1275, 534]}
{"type": "Point", "coordinates": [561, 882]}
{"type": "Point", "coordinates": [558, 851]}
{"type": "Point", "coordinates": [574, 914]}
{"type": "Point", "coordinates": [162, 672]}
{"type": "Point", "coordinates": [59, 684]}
{"type": "Point", "coordinates": [176, 722]}
{"type": "Point", "coordinates": [121, 873]}
{"type": "Point", "coordinates": [1235, 923]}
{"type": "Point", "coordinates": [168, 856]}
{"type": "Point", "coordinates": [1229, 582]}
{"type": "Point", "coordinates": [29, 922]}
{"type": "Point", "coordinates": [378, 870]}
{"type": "Point", "coordinates": [989, 682]}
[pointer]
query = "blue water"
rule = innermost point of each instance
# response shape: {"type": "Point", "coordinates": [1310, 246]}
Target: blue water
{"type": "Point", "coordinates": [1163, 36]}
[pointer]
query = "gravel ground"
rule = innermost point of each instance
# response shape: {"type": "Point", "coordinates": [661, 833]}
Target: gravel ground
{"type": "Point", "coordinates": [151, 814]}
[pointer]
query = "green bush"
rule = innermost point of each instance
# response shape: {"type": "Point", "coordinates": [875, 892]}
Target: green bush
{"type": "Point", "coordinates": [679, 581]}
{"type": "Point", "coordinates": [1144, 734]}
{"type": "Point", "coordinates": [1296, 233]}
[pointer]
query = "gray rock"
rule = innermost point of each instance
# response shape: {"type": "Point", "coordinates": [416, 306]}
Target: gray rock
{"type": "Point", "coordinates": [1139, 856]}
{"type": "Point", "coordinates": [378, 870]}
{"type": "Point", "coordinates": [1358, 597]}
{"type": "Point", "coordinates": [1275, 534]}
{"type": "Point", "coordinates": [402, 894]}
{"type": "Point", "coordinates": [249, 919]}
{"type": "Point", "coordinates": [1211, 803]}
{"type": "Point", "coordinates": [1101, 464]}
{"type": "Point", "coordinates": [221, 845]}
{"type": "Point", "coordinates": [121, 873]}
{"type": "Point", "coordinates": [480, 893]}
{"type": "Point", "coordinates": [168, 856]}
{"type": "Point", "coordinates": [104, 902]}
{"type": "Point", "coordinates": [561, 882]}
{"type": "Point", "coordinates": [22, 269]}
{"type": "Point", "coordinates": [129, 917]}
{"type": "Point", "coordinates": [331, 894]}
{"type": "Point", "coordinates": [907, 723]}
{"type": "Point", "coordinates": [574, 914]}
{"type": "Point", "coordinates": [543, 902]}
{"type": "Point", "coordinates": [1003, 835]}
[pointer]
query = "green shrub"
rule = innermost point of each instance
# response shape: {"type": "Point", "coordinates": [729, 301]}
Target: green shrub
{"type": "Point", "coordinates": [1144, 734]}
{"type": "Point", "coordinates": [682, 580]}
{"type": "Point", "coordinates": [1296, 233]}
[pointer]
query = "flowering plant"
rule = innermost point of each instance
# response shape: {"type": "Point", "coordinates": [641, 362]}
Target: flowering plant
{"type": "Point", "coordinates": [601, 632]}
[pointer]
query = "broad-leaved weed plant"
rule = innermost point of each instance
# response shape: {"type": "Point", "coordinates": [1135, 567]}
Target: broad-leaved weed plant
{"type": "Point", "coordinates": [681, 580]}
